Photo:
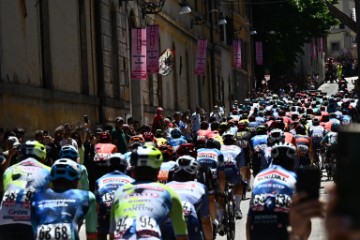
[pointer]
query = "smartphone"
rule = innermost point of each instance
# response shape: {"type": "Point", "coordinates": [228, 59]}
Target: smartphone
{"type": "Point", "coordinates": [347, 174]}
{"type": "Point", "coordinates": [86, 119]}
{"type": "Point", "coordinates": [308, 180]}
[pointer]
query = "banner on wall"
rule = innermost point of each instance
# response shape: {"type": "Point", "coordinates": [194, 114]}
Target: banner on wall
{"type": "Point", "coordinates": [138, 54]}
{"type": "Point", "coordinates": [152, 48]}
{"type": "Point", "coordinates": [200, 65]}
{"type": "Point", "coordinates": [321, 44]}
{"type": "Point", "coordinates": [259, 53]}
{"type": "Point", "coordinates": [237, 54]}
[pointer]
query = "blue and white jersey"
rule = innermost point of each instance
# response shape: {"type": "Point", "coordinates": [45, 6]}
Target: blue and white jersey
{"type": "Point", "coordinates": [259, 142]}
{"type": "Point", "coordinates": [260, 120]}
{"type": "Point", "coordinates": [165, 170]}
{"type": "Point", "coordinates": [195, 203]}
{"type": "Point", "coordinates": [233, 156]}
{"type": "Point", "coordinates": [57, 215]}
{"type": "Point", "coordinates": [270, 202]}
{"type": "Point", "coordinates": [105, 188]}
{"type": "Point", "coordinates": [210, 157]}
{"type": "Point", "coordinates": [176, 142]}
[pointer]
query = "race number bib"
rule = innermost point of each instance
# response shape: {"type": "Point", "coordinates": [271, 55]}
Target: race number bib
{"type": "Point", "coordinates": [147, 227]}
{"type": "Point", "coordinates": [186, 206]}
{"type": "Point", "coordinates": [122, 226]}
{"type": "Point", "coordinates": [60, 231]}
{"type": "Point", "coordinates": [228, 161]}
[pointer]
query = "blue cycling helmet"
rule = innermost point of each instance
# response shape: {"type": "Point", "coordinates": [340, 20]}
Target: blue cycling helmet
{"type": "Point", "coordinates": [69, 151]}
{"type": "Point", "coordinates": [64, 168]}
{"type": "Point", "coordinates": [175, 133]}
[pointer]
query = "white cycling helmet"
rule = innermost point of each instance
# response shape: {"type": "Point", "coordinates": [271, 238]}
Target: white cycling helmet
{"type": "Point", "coordinates": [276, 135]}
{"type": "Point", "coordinates": [228, 134]}
{"type": "Point", "coordinates": [283, 150]}
{"type": "Point", "coordinates": [117, 159]}
{"type": "Point", "coordinates": [187, 163]}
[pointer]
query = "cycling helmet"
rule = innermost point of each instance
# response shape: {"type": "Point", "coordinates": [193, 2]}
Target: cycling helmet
{"type": "Point", "coordinates": [148, 136]}
{"type": "Point", "coordinates": [283, 150]}
{"type": "Point", "coordinates": [242, 126]}
{"type": "Point", "coordinates": [228, 135]}
{"type": "Point", "coordinates": [315, 122]}
{"type": "Point", "coordinates": [335, 126]}
{"type": "Point", "coordinates": [35, 149]}
{"type": "Point", "coordinates": [300, 129]}
{"type": "Point", "coordinates": [175, 133]}
{"type": "Point", "coordinates": [117, 159]}
{"type": "Point", "coordinates": [186, 149]}
{"type": "Point", "coordinates": [277, 123]}
{"type": "Point", "coordinates": [167, 151]}
{"type": "Point", "coordinates": [69, 151]}
{"type": "Point", "coordinates": [261, 130]}
{"type": "Point", "coordinates": [276, 135]}
{"type": "Point", "coordinates": [187, 164]}
{"type": "Point", "coordinates": [159, 109]}
{"type": "Point", "coordinates": [65, 169]}
{"type": "Point", "coordinates": [136, 141]}
{"type": "Point", "coordinates": [204, 125]}
{"type": "Point", "coordinates": [159, 133]}
{"type": "Point", "coordinates": [212, 143]}
{"type": "Point", "coordinates": [146, 156]}
{"type": "Point", "coordinates": [105, 137]}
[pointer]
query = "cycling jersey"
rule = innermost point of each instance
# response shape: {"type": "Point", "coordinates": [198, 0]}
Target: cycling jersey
{"type": "Point", "coordinates": [99, 165]}
{"type": "Point", "coordinates": [269, 204]}
{"type": "Point", "coordinates": [195, 205]}
{"type": "Point", "coordinates": [258, 144]}
{"type": "Point", "coordinates": [105, 188]}
{"type": "Point", "coordinates": [20, 182]}
{"type": "Point", "coordinates": [166, 171]}
{"type": "Point", "coordinates": [176, 142]}
{"type": "Point", "coordinates": [210, 157]}
{"type": "Point", "coordinates": [140, 208]}
{"type": "Point", "coordinates": [304, 149]}
{"type": "Point", "coordinates": [330, 139]}
{"type": "Point", "coordinates": [57, 215]}
{"type": "Point", "coordinates": [234, 159]}
{"type": "Point", "coordinates": [160, 141]}
{"type": "Point", "coordinates": [316, 133]}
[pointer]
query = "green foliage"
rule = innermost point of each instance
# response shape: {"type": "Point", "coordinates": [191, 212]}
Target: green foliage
{"type": "Point", "coordinates": [294, 23]}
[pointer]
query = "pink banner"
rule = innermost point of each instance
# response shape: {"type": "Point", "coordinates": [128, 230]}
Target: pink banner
{"type": "Point", "coordinates": [152, 37]}
{"type": "Point", "coordinates": [138, 54]}
{"type": "Point", "coordinates": [321, 44]}
{"type": "Point", "coordinates": [313, 49]}
{"type": "Point", "coordinates": [259, 53]}
{"type": "Point", "coordinates": [201, 58]}
{"type": "Point", "coordinates": [237, 54]}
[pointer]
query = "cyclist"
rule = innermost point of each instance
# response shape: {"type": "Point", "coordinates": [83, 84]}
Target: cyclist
{"type": "Point", "coordinates": [57, 212]}
{"type": "Point", "coordinates": [316, 133]}
{"type": "Point", "coordinates": [271, 196]}
{"type": "Point", "coordinates": [243, 136]}
{"type": "Point", "coordinates": [70, 152]}
{"type": "Point", "coordinates": [159, 137]}
{"type": "Point", "coordinates": [212, 158]}
{"type": "Point", "coordinates": [105, 188]}
{"type": "Point", "coordinates": [234, 160]}
{"type": "Point", "coordinates": [176, 138]}
{"type": "Point", "coordinates": [304, 146]}
{"type": "Point", "coordinates": [257, 145]}
{"type": "Point", "coordinates": [21, 180]}
{"type": "Point", "coordinates": [194, 199]}
{"type": "Point", "coordinates": [98, 167]}
{"type": "Point", "coordinates": [330, 142]}
{"type": "Point", "coordinates": [139, 208]}
{"type": "Point", "coordinates": [167, 167]}
{"type": "Point", "coordinates": [203, 176]}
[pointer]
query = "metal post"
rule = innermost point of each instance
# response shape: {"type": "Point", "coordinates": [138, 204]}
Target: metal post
{"type": "Point", "coordinates": [212, 60]}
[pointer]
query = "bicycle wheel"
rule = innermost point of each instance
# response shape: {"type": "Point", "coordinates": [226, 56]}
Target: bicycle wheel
{"type": "Point", "coordinates": [230, 208]}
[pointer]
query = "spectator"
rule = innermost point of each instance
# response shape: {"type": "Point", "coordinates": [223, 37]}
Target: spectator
{"type": "Point", "coordinates": [158, 119]}
{"type": "Point", "coordinates": [118, 136]}
{"type": "Point", "coordinates": [196, 120]}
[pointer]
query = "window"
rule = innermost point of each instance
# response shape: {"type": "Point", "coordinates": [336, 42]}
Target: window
{"type": "Point", "coordinates": [335, 46]}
